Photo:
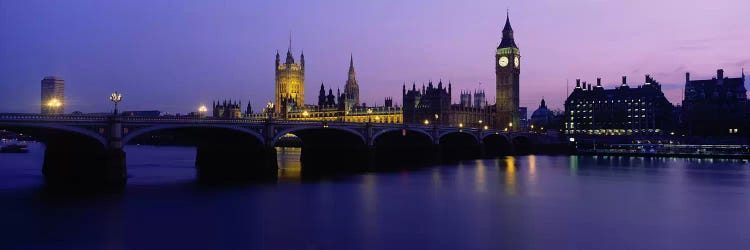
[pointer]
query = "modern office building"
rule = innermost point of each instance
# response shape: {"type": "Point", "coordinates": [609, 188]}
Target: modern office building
{"type": "Point", "coordinates": [53, 95]}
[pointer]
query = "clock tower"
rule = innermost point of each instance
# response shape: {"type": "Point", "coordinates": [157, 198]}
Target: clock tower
{"type": "Point", "coordinates": [507, 71]}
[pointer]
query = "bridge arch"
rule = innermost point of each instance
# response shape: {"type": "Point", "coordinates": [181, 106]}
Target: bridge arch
{"type": "Point", "coordinates": [389, 130]}
{"type": "Point", "coordinates": [292, 130]}
{"type": "Point", "coordinates": [56, 127]}
{"type": "Point", "coordinates": [449, 133]}
{"type": "Point", "coordinates": [146, 130]}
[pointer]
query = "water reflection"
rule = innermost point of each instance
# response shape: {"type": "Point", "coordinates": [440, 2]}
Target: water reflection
{"type": "Point", "coordinates": [480, 184]}
{"type": "Point", "coordinates": [290, 167]}
{"type": "Point", "coordinates": [532, 169]}
{"type": "Point", "coordinates": [510, 175]}
{"type": "Point", "coordinates": [573, 165]}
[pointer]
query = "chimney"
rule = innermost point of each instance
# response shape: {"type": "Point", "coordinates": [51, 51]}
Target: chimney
{"type": "Point", "coordinates": [687, 76]}
{"type": "Point", "coordinates": [578, 83]}
{"type": "Point", "coordinates": [624, 80]}
{"type": "Point", "coordinates": [720, 74]}
{"type": "Point", "coordinates": [599, 82]}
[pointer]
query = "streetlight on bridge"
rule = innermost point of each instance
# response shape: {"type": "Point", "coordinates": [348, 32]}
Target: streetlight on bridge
{"type": "Point", "coordinates": [202, 110]}
{"type": "Point", "coordinates": [115, 98]}
{"type": "Point", "coordinates": [369, 113]}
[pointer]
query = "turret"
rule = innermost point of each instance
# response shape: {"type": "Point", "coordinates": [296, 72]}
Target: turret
{"type": "Point", "coordinates": [278, 59]}
{"type": "Point", "coordinates": [687, 77]}
{"type": "Point", "coordinates": [624, 81]}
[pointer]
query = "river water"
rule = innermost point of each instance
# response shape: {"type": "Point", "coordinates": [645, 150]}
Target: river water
{"type": "Point", "coordinates": [526, 202]}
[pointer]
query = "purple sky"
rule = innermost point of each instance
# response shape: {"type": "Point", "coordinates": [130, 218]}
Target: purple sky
{"type": "Point", "coordinates": [174, 55]}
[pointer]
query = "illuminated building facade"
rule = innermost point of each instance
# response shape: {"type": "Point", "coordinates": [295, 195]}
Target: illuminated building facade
{"type": "Point", "coordinates": [717, 106]}
{"type": "Point", "coordinates": [624, 110]}
{"type": "Point", "coordinates": [290, 82]}
{"type": "Point", "coordinates": [507, 72]}
{"type": "Point", "coordinates": [53, 95]}
{"type": "Point", "coordinates": [227, 110]}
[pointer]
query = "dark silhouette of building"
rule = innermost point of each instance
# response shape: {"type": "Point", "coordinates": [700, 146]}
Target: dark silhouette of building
{"type": "Point", "coordinates": [480, 100]}
{"type": "Point", "coordinates": [621, 111]}
{"type": "Point", "coordinates": [326, 100]}
{"type": "Point", "coordinates": [523, 118]}
{"type": "Point", "coordinates": [421, 106]}
{"type": "Point", "coordinates": [542, 116]}
{"type": "Point", "coordinates": [507, 71]}
{"type": "Point", "coordinates": [227, 109]}
{"type": "Point", "coordinates": [716, 106]}
{"type": "Point", "coordinates": [465, 99]}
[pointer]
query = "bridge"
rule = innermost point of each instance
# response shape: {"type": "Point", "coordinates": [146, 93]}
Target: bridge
{"type": "Point", "coordinates": [88, 149]}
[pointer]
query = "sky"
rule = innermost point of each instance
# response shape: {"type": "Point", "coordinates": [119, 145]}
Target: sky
{"type": "Point", "coordinates": [174, 56]}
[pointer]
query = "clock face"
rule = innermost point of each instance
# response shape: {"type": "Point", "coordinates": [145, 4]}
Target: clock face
{"type": "Point", "coordinates": [503, 61]}
{"type": "Point", "coordinates": [516, 61]}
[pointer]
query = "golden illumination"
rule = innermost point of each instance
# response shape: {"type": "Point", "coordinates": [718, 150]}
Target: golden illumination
{"type": "Point", "coordinates": [460, 125]}
{"type": "Point", "coordinates": [426, 122]}
{"type": "Point", "coordinates": [202, 109]}
{"type": "Point", "coordinates": [510, 124]}
{"type": "Point", "coordinates": [485, 127]}
{"type": "Point", "coordinates": [54, 103]}
{"type": "Point", "coordinates": [510, 175]}
{"type": "Point", "coordinates": [305, 114]}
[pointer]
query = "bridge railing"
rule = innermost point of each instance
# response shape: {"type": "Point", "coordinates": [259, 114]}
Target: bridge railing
{"type": "Point", "coordinates": [60, 117]}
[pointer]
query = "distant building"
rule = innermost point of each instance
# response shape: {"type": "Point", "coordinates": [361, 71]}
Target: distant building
{"type": "Point", "coordinates": [480, 100]}
{"type": "Point", "coordinates": [53, 95]}
{"type": "Point", "coordinates": [227, 109]}
{"type": "Point", "coordinates": [621, 111]}
{"type": "Point", "coordinates": [542, 116]}
{"type": "Point", "coordinates": [465, 98]}
{"type": "Point", "coordinates": [716, 106]}
{"type": "Point", "coordinates": [523, 120]}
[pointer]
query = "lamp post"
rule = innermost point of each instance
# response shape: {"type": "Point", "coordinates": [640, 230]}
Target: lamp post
{"type": "Point", "coordinates": [269, 110]}
{"type": "Point", "coordinates": [435, 123]}
{"type": "Point", "coordinates": [115, 98]}
{"type": "Point", "coordinates": [305, 114]}
{"type": "Point", "coordinates": [369, 112]}
{"type": "Point", "coordinates": [202, 110]}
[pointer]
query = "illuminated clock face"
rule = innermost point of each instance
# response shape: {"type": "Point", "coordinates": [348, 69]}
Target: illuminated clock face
{"type": "Point", "coordinates": [503, 61]}
{"type": "Point", "coordinates": [516, 61]}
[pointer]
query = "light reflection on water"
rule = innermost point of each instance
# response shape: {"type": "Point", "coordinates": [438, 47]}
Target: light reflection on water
{"type": "Point", "coordinates": [521, 202]}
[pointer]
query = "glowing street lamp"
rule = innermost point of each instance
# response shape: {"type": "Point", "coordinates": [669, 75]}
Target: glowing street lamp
{"type": "Point", "coordinates": [305, 114]}
{"type": "Point", "coordinates": [115, 98]}
{"type": "Point", "coordinates": [426, 122]}
{"type": "Point", "coordinates": [369, 112]}
{"type": "Point", "coordinates": [202, 110]}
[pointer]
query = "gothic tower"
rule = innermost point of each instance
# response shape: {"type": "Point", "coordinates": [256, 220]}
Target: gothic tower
{"type": "Point", "coordinates": [351, 89]}
{"type": "Point", "coordinates": [290, 81]}
{"type": "Point", "coordinates": [507, 71]}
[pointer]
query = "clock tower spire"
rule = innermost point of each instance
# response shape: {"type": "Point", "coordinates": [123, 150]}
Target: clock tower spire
{"type": "Point", "coordinates": [507, 71]}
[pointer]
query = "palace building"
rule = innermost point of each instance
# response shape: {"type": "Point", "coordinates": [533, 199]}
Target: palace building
{"type": "Point", "coordinates": [716, 106]}
{"type": "Point", "coordinates": [290, 82]}
{"type": "Point", "coordinates": [641, 110]}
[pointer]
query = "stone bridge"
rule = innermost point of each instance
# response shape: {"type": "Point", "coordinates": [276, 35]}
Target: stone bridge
{"type": "Point", "coordinates": [89, 148]}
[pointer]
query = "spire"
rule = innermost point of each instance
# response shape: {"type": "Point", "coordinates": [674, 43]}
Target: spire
{"type": "Point", "coordinates": [289, 58]}
{"type": "Point", "coordinates": [351, 63]}
{"type": "Point", "coordinates": [507, 27]}
{"type": "Point", "coordinates": [544, 104]}
{"type": "Point", "coordinates": [507, 40]}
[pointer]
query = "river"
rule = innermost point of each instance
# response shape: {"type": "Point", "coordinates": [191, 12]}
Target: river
{"type": "Point", "coordinates": [523, 202]}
